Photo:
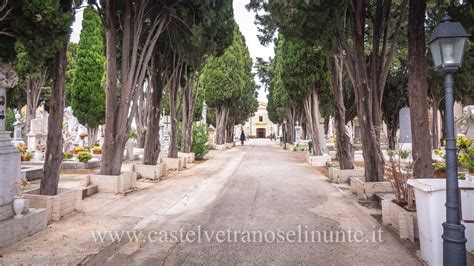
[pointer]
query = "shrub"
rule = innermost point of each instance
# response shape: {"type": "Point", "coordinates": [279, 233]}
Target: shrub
{"type": "Point", "coordinates": [68, 156]}
{"type": "Point", "coordinates": [132, 134]}
{"type": "Point", "coordinates": [199, 145]}
{"type": "Point", "coordinates": [404, 154]}
{"type": "Point", "coordinates": [84, 157]}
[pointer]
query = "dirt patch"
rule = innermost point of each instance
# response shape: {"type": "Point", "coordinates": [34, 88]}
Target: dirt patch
{"type": "Point", "coordinates": [323, 170]}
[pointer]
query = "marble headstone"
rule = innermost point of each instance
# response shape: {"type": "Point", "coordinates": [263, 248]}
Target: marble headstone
{"type": "Point", "coordinates": [405, 129]}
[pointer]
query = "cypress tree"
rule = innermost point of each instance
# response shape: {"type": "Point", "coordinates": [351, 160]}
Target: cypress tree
{"type": "Point", "coordinates": [87, 94]}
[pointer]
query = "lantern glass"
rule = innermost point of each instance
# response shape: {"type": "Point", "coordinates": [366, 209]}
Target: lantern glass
{"type": "Point", "coordinates": [436, 53]}
{"type": "Point", "coordinates": [448, 52]}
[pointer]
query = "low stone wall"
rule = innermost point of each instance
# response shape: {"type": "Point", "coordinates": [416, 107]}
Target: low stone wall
{"type": "Point", "coordinates": [318, 160]}
{"type": "Point", "coordinates": [366, 190]}
{"type": "Point", "coordinates": [31, 172]}
{"type": "Point", "coordinates": [189, 156]}
{"type": "Point", "coordinates": [219, 147]}
{"type": "Point", "coordinates": [113, 183]}
{"type": "Point", "coordinates": [67, 165]}
{"type": "Point", "coordinates": [153, 172]}
{"type": "Point", "coordinates": [15, 229]}
{"type": "Point", "coordinates": [65, 202]}
{"type": "Point", "coordinates": [343, 176]}
{"type": "Point", "coordinates": [176, 164]}
{"type": "Point", "coordinates": [403, 221]}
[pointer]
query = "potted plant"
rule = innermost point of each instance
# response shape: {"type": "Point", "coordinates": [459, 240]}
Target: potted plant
{"type": "Point", "coordinates": [25, 157]}
{"type": "Point", "coordinates": [84, 157]}
{"type": "Point", "coordinates": [465, 153]}
{"type": "Point", "coordinates": [96, 150]}
{"type": "Point", "coordinates": [77, 150]}
{"type": "Point", "coordinates": [439, 170]}
{"type": "Point", "coordinates": [19, 202]}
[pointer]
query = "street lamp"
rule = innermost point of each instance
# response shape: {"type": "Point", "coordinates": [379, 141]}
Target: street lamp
{"type": "Point", "coordinates": [284, 133]}
{"type": "Point", "coordinates": [447, 46]}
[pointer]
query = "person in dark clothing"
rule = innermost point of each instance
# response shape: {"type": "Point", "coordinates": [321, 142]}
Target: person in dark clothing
{"type": "Point", "coordinates": [242, 137]}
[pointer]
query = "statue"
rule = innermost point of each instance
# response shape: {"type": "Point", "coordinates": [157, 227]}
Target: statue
{"type": "Point", "coordinates": [8, 79]}
{"type": "Point", "coordinates": [204, 114]}
{"type": "Point", "coordinates": [18, 126]}
{"type": "Point", "coordinates": [465, 124]}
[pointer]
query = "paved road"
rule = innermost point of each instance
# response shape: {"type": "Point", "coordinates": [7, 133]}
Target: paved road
{"type": "Point", "coordinates": [258, 204]}
{"type": "Point", "coordinates": [268, 195]}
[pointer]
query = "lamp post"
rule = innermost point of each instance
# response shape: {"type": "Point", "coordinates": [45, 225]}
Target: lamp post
{"type": "Point", "coordinates": [284, 133]}
{"type": "Point", "coordinates": [447, 46]}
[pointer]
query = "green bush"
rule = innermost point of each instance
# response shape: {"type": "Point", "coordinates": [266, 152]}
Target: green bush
{"type": "Point", "coordinates": [84, 157]}
{"type": "Point", "coordinates": [199, 145]}
{"type": "Point", "coordinates": [68, 156]}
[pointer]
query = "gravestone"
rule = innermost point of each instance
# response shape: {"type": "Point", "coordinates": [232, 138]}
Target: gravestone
{"type": "Point", "coordinates": [356, 135]}
{"type": "Point", "coordinates": [38, 129]}
{"type": "Point", "coordinates": [405, 129]}
{"type": "Point", "coordinates": [298, 133]}
{"type": "Point", "coordinates": [9, 156]}
{"type": "Point", "coordinates": [12, 228]}
{"type": "Point", "coordinates": [18, 128]}
{"type": "Point", "coordinates": [165, 132]}
{"type": "Point", "coordinates": [330, 128]}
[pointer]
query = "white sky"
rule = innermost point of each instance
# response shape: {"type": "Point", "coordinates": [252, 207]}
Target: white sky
{"type": "Point", "coordinates": [244, 19]}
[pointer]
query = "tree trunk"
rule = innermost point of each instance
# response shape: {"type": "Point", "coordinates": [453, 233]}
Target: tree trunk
{"type": "Point", "coordinates": [229, 132]}
{"type": "Point", "coordinates": [35, 83]}
{"type": "Point", "coordinates": [54, 151]}
{"type": "Point", "coordinates": [189, 104]}
{"type": "Point", "coordinates": [344, 145]}
{"type": "Point", "coordinates": [111, 148]}
{"type": "Point", "coordinates": [311, 106]}
{"type": "Point", "coordinates": [369, 74]}
{"type": "Point", "coordinates": [418, 90]}
{"type": "Point", "coordinates": [290, 129]}
{"type": "Point", "coordinates": [222, 114]}
{"type": "Point", "coordinates": [304, 130]}
{"type": "Point", "coordinates": [152, 139]}
{"type": "Point", "coordinates": [173, 98]}
{"type": "Point", "coordinates": [141, 115]}
{"type": "Point", "coordinates": [136, 52]}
